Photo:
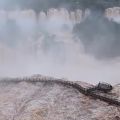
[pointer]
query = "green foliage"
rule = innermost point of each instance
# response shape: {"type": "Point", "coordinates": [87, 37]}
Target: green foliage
{"type": "Point", "coordinates": [38, 5]}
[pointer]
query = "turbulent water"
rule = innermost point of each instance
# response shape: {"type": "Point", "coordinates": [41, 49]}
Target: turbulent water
{"type": "Point", "coordinates": [50, 101]}
{"type": "Point", "coordinates": [44, 43]}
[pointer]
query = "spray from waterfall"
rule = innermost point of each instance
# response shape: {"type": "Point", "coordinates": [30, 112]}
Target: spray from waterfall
{"type": "Point", "coordinates": [45, 44]}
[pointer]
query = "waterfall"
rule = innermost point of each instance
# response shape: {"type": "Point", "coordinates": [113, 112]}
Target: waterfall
{"type": "Point", "coordinates": [44, 43]}
{"type": "Point", "coordinates": [113, 14]}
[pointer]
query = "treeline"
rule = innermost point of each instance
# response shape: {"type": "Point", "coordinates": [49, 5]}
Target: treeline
{"type": "Point", "coordinates": [38, 5]}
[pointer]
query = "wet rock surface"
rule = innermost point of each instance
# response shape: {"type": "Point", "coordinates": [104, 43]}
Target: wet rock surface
{"type": "Point", "coordinates": [51, 101]}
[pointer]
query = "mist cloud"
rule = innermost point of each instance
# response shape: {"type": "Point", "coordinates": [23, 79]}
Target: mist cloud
{"type": "Point", "coordinates": [45, 44]}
